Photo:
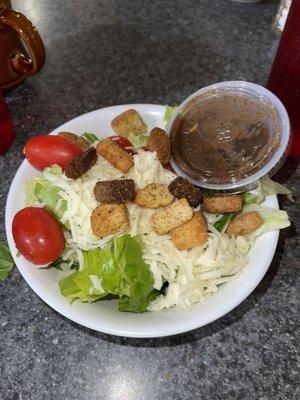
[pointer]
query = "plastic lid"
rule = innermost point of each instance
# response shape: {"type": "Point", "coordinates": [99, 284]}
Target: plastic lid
{"type": "Point", "coordinates": [261, 94]}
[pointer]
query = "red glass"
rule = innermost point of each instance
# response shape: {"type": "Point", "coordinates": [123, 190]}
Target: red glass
{"type": "Point", "coordinates": [284, 79]}
{"type": "Point", "coordinates": [7, 134]}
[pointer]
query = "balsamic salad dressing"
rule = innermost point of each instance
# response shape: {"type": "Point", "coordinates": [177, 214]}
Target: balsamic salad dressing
{"type": "Point", "coordinates": [223, 136]}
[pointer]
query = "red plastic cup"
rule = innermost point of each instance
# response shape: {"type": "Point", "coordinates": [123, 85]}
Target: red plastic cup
{"type": "Point", "coordinates": [284, 79]}
{"type": "Point", "coordinates": [7, 134]}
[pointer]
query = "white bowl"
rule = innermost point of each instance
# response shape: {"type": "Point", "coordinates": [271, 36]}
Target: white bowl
{"type": "Point", "coordinates": [103, 316]}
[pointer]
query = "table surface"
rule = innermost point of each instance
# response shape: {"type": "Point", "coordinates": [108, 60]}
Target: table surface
{"type": "Point", "coordinates": [101, 53]}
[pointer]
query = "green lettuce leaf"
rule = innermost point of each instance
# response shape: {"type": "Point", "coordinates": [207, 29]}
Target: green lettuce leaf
{"type": "Point", "coordinates": [49, 195]}
{"type": "Point", "coordinates": [249, 198]}
{"type": "Point", "coordinates": [222, 223]}
{"type": "Point", "coordinates": [6, 261]}
{"type": "Point", "coordinates": [169, 111]}
{"type": "Point", "coordinates": [54, 170]}
{"type": "Point", "coordinates": [254, 198]}
{"type": "Point", "coordinates": [273, 219]}
{"type": "Point", "coordinates": [39, 190]}
{"type": "Point", "coordinates": [137, 303]}
{"type": "Point", "coordinates": [266, 187]}
{"type": "Point", "coordinates": [91, 137]}
{"type": "Point", "coordinates": [30, 197]}
{"type": "Point", "coordinates": [136, 278]}
{"type": "Point", "coordinates": [119, 270]}
{"type": "Point", "coordinates": [102, 264]}
{"type": "Point", "coordinates": [71, 290]}
{"type": "Point", "coordinates": [99, 276]}
{"type": "Point", "coordinates": [138, 140]}
{"type": "Point", "coordinates": [57, 264]}
{"type": "Point", "coordinates": [270, 187]}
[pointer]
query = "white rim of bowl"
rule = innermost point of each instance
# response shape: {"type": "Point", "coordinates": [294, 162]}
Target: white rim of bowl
{"type": "Point", "coordinates": [284, 139]}
{"type": "Point", "coordinates": [230, 304]}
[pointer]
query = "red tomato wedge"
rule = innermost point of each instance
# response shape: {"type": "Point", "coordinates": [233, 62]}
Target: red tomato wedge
{"type": "Point", "coordinates": [123, 142]}
{"type": "Point", "coordinates": [45, 150]}
{"type": "Point", "coordinates": [37, 235]}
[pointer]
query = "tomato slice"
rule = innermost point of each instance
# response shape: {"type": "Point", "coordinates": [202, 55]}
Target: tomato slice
{"type": "Point", "coordinates": [37, 235]}
{"type": "Point", "coordinates": [124, 143]}
{"type": "Point", "coordinates": [45, 150]}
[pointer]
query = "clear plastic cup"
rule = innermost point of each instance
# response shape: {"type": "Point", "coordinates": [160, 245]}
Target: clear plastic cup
{"type": "Point", "coordinates": [262, 96]}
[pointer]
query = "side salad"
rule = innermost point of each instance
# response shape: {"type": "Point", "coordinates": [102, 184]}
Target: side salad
{"type": "Point", "coordinates": [116, 222]}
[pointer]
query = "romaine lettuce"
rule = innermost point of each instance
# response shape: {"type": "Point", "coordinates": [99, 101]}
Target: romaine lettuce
{"type": "Point", "coordinates": [169, 111]}
{"type": "Point", "coordinates": [266, 187]}
{"type": "Point", "coordinates": [98, 277]}
{"type": "Point", "coordinates": [91, 137]}
{"type": "Point", "coordinates": [54, 170]}
{"type": "Point", "coordinates": [222, 223]}
{"type": "Point", "coordinates": [273, 219]}
{"type": "Point", "coordinates": [41, 191]}
{"type": "Point", "coordinates": [71, 290]}
{"type": "Point", "coordinates": [119, 270]}
{"type": "Point", "coordinates": [136, 277]}
{"type": "Point", "coordinates": [30, 197]}
{"type": "Point", "coordinates": [49, 195]}
{"type": "Point", "coordinates": [138, 140]}
{"type": "Point", "coordinates": [270, 187]}
{"type": "Point", "coordinates": [248, 197]}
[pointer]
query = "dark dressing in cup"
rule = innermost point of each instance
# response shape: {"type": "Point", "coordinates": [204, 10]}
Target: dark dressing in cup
{"type": "Point", "coordinates": [224, 135]}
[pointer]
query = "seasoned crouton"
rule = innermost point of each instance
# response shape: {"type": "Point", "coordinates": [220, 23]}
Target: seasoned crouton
{"type": "Point", "coordinates": [113, 153]}
{"type": "Point", "coordinates": [128, 122]}
{"type": "Point", "coordinates": [160, 142]}
{"type": "Point", "coordinates": [192, 233]}
{"type": "Point", "coordinates": [81, 163]}
{"type": "Point", "coordinates": [181, 187]}
{"type": "Point", "coordinates": [81, 142]}
{"type": "Point", "coordinates": [109, 219]}
{"type": "Point", "coordinates": [245, 224]}
{"type": "Point", "coordinates": [153, 196]}
{"type": "Point", "coordinates": [172, 216]}
{"type": "Point", "coordinates": [117, 191]}
{"type": "Point", "coordinates": [222, 204]}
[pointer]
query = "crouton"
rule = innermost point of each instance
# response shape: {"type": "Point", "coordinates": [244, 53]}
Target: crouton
{"type": "Point", "coordinates": [159, 142]}
{"type": "Point", "coordinates": [128, 122]}
{"type": "Point", "coordinates": [113, 153]}
{"type": "Point", "coordinates": [190, 234]}
{"type": "Point", "coordinates": [172, 216]}
{"type": "Point", "coordinates": [245, 224]}
{"type": "Point", "coordinates": [222, 204]}
{"type": "Point", "coordinates": [81, 142]}
{"type": "Point", "coordinates": [153, 196]}
{"type": "Point", "coordinates": [116, 191]}
{"type": "Point", "coordinates": [81, 163]}
{"type": "Point", "coordinates": [109, 219]}
{"type": "Point", "coordinates": [181, 187]}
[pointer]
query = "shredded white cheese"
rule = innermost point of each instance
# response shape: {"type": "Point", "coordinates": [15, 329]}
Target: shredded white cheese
{"type": "Point", "coordinates": [192, 275]}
